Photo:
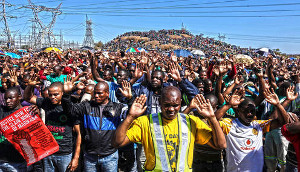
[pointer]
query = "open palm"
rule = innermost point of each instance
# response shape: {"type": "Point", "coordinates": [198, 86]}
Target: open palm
{"type": "Point", "coordinates": [271, 96]}
{"type": "Point", "coordinates": [68, 84]}
{"type": "Point", "coordinates": [236, 98]}
{"type": "Point", "coordinates": [174, 72]}
{"type": "Point", "coordinates": [203, 106]}
{"type": "Point", "coordinates": [33, 81]}
{"type": "Point", "coordinates": [126, 89]}
{"type": "Point", "coordinates": [138, 107]}
{"type": "Point", "coordinates": [138, 73]}
{"type": "Point", "coordinates": [290, 94]}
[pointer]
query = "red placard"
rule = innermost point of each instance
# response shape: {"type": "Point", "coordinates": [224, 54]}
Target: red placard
{"type": "Point", "coordinates": [29, 135]}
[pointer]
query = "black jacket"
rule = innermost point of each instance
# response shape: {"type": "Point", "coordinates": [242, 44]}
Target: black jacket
{"type": "Point", "coordinates": [97, 129]}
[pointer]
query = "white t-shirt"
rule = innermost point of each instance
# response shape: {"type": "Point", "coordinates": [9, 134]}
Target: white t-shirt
{"type": "Point", "coordinates": [244, 144]}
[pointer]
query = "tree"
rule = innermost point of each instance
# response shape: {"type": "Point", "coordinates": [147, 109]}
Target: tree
{"type": "Point", "coordinates": [25, 47]}
{"type": "Point", "coordinates": [98, 45]}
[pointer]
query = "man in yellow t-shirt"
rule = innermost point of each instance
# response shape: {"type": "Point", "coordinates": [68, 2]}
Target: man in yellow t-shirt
{"type": "Point", "coordinates": [169, 133]}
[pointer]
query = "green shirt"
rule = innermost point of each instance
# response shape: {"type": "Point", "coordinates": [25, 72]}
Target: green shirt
{"type": "Point", "coordinates": [230, 112]}
{"type": "Point", "coordinates": [53, 79]}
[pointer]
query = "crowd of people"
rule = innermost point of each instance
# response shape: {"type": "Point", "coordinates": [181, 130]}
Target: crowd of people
{"type": "Point", "coordinates": [155, 112]}
{"type": "Point", "coordinates": [184, 40]}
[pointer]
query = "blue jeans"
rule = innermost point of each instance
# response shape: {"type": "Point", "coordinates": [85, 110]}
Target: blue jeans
{"type": "Point", "coordinates": [290, 168]}
{"type": "Point", "coordinates": [57, 163]}
{"type": "Point", "coordinates": [127, 159]}
{"type": "Point", "coordinates": [93, 163]}
{"type": "Point", "coordinates": [12, 167]}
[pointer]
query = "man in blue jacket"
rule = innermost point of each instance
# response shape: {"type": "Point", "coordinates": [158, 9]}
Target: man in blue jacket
{"type": "Point", "coordinates": [98, 120]}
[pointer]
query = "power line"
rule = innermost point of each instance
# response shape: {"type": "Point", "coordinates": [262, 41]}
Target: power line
{"type": "Point", "coordinates": [197, 7]}
{"type": "Point", "coordinates": [113, 2]}
{"type": "Point", "coordinates": [73, 28]}
{"type": "Point", "coordinates": [189, 12]}
{"type": "Point", "coordinates": [191, 16]}
{"type": "Point", "coordinates": [145, 3]}
{"type": "Point", "coordinates": [249, 39]}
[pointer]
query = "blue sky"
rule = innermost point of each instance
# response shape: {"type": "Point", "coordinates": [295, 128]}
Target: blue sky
{"type": "Point", "coordinates": [246, 23]}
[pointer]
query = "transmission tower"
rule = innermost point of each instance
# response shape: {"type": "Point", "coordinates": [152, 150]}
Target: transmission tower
{"type": "Point", "coordinates": [222, 37]}
{"type": "Point", "coordinates": [88, 38]}
{"type": "Point", "coordinates": [7, 31]}
{"type": "Point", "coordinates": [45, 36]}
{"type": "Point", "coordinates": [33, 40]}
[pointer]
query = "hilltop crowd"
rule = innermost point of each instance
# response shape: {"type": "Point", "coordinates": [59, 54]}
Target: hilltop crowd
{"type": "Point", "coordinates": [184, 40]}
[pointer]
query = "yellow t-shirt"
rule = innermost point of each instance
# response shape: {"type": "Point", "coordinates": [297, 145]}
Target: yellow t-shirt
{"type": "Point", "coordinates": [139, 132]}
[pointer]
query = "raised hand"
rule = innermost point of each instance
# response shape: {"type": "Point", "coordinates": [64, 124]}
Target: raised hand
{"type": "Point", "coordinates": [216, 71]}
{"type": "Point", "coordinates": [237, 79]}
{"type": "Point", "coordinates": [259, 73]}
{"type": "Point", "coordinates": [203, 106]}
{"type": "Point", "coordinates": [90, 54]}
{"type": "Point", "coordinates": [194, 102]}
{"type": "Point", "coordinates": [126, 89]}
{"type": "Point", "coordinates": [138, 107]}
{"type": "Point", "coordinates": [267, 85]}
{"type": "Point", "coordinates": [138, 71]}
{"type": "Point", "coordinates": [33, 81]}
{"type": "Point", "coordinates": [144, 60]}
{"type": "Point", "coordinates": [174, 72]}
{"type": "Point", "coordinates": [271, 96]}
{"type": "Point", "coordinates": [174, 58]}
{"type": "Point", "coordinates": [154, 59]}
{"type": "Point", "coordinates": [235, 99]}
{"type": "Point", "coordinates": [93, 60]}
{"type": "Point", "coordinates": [223, 69]}
{"type": "Point", "coordinates": [13, 77]}
{"type": "Point", "coordinates": [68, 84]}
{"type": "Point", "coordinates": [290, 94]}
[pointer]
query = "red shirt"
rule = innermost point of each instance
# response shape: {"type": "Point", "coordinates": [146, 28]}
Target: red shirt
{"type": "Point", "coordinates": [295, 140]}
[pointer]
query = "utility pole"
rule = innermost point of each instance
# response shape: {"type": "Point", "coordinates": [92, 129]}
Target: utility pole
{"type": "Point", "coordinates": [20, 39]}
{"type": "Point", "coordinates": [221, 37]}
{"type": "Point", "coordinates": [61, 40]}
{"type": "Point", "coordinates": [33, 33]}
{"type": "Point", "coordinates": [7, 31]}
{"type": "Point", "coordinates": [88, 38]}
{"type": "Point", "coordinates": [45, 36]}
